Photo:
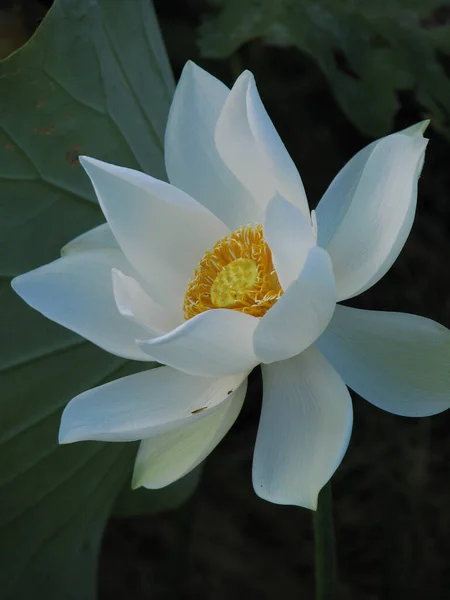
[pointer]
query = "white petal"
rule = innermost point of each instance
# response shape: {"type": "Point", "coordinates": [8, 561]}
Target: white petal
{"type": "Point", "coordinates": [399, 362]}
{"type": "Point", "coordinates": [76, 292]}
{"type": "Point", "coordinates": [301, 314]}
{"type": "Point", "coordinates": [163, 232]}
{"type": "Point", "coordinates": [249, 144]}
{"type": "Point", "coordinates": [269, 143]}
{"type": "Point", "coordinates": [163, 459]}
{"type": "Point", "coordinates": [133, 302]}
{"type": "Point", "coordinates": [305, 427]}
{"type": "Point", "coordinates": [99, 238]}
{"type": "Point", "coordinates": [144, 405]}
{"type": "Point", "coordinates": [192, 161]}
{"type": "Point", "coordinates": [214, 343]}
{"type": "Point", "coordinates": [290, 236]}
{"type": "Point", "coordinates": [366, 214]}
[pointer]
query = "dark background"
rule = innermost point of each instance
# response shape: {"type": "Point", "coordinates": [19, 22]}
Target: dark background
{"type": "Point", "coordinates": [392, 491]}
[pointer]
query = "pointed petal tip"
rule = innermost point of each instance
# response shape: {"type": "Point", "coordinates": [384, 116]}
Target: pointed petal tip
{"type": "Point", "coordinates": [245, 79]}
{"type": "Point", "coordinates": [417, 130]}
{"type": "Point", "coordinates": [90, 161]}
{"type": "Point", "coordinates": [425, 124]}
{"type": "Point", "coordinates": [249, 78]}
{"type": "Point", "coordinates": [66, 435]}
{"type": "Point", "coordinates": [192, 70]}
{"type": "Point", "coordinates": [77, 434]}
{"type": "Point", "coordinates": [89, 164]}
{"type": "Point", "coordinates": [190, 64]}
{"type": "Point", "coordinates": [135, 483]}
{"type": "Point", "coordinates": [189, 70]}
{"type": "Point", "coordinates": [84, 160]}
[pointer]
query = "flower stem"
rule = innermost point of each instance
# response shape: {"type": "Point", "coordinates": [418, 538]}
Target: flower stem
{"type": "Point", "coordinates": [325, 550]}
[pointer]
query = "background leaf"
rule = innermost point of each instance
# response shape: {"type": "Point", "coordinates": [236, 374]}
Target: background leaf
{"type": "Point", "coordinates": [368, 51]}
{"type": "Point", "coordinates": [78, 86]}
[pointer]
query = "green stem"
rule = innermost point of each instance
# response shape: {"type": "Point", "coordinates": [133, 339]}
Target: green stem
{"type": "Point", "coordinates": [325, 546]}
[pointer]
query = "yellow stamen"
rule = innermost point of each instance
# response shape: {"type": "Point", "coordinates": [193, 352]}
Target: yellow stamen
{"type": "Point", "coordinates": [233, 281]}
{"type": "Point", "coordinates": [237, 273]}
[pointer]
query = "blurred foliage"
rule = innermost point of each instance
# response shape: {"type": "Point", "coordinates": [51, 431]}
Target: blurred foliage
{"type": "Point", "coordinates": [368, 51]}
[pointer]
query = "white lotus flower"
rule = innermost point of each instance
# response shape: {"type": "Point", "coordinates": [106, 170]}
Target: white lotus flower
{"type": "Point", "coordinates": [224, 269]}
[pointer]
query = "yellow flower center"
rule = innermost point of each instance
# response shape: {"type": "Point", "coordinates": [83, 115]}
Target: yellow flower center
{"type": "Point", "coordinates": [237, 273]}
{"type": "Point", "coordinates": [233, 281]}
